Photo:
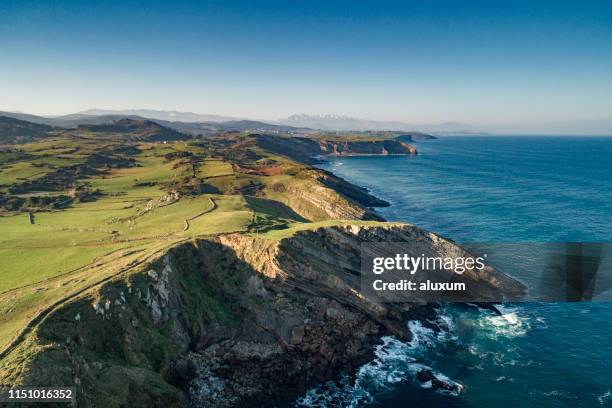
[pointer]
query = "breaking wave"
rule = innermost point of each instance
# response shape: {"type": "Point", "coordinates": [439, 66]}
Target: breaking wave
{"type": "Point", "coordinates": [395, 362]}
{"type": "Point", "coordinates": [511, 323]}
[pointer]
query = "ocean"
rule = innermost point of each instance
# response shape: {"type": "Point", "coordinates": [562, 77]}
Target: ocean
{"type": "Point", "coordinates": [493, 189]}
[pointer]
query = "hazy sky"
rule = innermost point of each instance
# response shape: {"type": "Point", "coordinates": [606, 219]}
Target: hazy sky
{"type": "Point", "coordinates": [488, 63]}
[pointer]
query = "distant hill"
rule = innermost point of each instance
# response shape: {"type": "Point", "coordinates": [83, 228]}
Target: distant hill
{"type": "Point", "coordinates": [69, 121]}
{"type": "Point", "coordinates": [171, 116]}
{"type": "Point", "coordinates": [179, 121]}
{"type": "Point", "coordinates": [137, 129]}
{"type": "Point", "coordinates": [74, 120]}
{"type": "Point", "coordinates": [208, 128]}
{"type": "Point", "coordinates": [29, 118]}
{"type": "Point", "coordinates": [186, 122]}
{"type": "Point", "coordinates": [20, 131]}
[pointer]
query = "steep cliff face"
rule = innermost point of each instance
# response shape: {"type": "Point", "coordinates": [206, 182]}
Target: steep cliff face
{"type": "Point", "coordinates": [319, 195]}
{"type": "Point", "coordinates": [224, 322]}
{"type": "Point", "coordinates": [220, 322]}
{"type": "Point", "coordinates": [370, 147]}
{"type": "Point", "coordinates": [327, 261]}
{"type": "Point", "coordinates": [305, 150]}
{"type": "Point", "coordinates": [414, 136]}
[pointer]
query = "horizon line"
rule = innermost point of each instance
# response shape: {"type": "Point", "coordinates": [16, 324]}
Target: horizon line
{"type": "Point", "coordinates": [478, 130]}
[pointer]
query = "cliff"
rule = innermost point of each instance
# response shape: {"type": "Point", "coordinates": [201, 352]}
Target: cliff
{"type": "Point", "coordinates": [226, 321]}
{"type": "Point", "coordinates": [414, 136]}
{"type": "Point", "coordinates": [319, 195]}
{"type": "Point", "coordinates": [306, 150]}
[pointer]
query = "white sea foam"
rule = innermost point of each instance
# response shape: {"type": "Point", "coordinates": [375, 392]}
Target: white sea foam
{"type": "Point", "coordinates": [395, 362]}
{"type": "Point", "coordinates": [604, 398]}
{"type": "Point", "coordinates": [511, 323]}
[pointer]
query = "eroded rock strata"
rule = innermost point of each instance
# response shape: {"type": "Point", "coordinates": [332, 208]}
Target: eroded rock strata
{"type": "Point", "coordinates": [228, 321]}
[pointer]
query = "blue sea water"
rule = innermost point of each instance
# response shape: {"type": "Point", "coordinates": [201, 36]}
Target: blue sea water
{"type": "Point", "coordinates": [494, 189]}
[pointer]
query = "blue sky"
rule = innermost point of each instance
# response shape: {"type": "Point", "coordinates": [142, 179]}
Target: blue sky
{"type": "Point", "coordinates": [492, 64]}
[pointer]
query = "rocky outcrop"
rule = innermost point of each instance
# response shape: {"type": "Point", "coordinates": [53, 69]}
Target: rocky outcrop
{"type": "Point", "coordinates": [329, 341]}
{"type": "Point", "coordinates": [228, 321]}
{"type": "Point", "coordinates": [326, 261]}
{"type": "Point", "coordinates": [321, 324]}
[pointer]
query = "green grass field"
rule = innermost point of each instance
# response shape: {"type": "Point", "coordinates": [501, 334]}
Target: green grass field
{"type": "Point", "coordinates": [60, 251]}
{"type": "Point", "coordinates": [126, 202]}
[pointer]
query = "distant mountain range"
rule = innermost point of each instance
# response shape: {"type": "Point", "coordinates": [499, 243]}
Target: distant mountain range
{"type": "Point", "coordinates": [134, 128]}
{"type": "Point", "coordinates": [338, 122]}
{"type": "Point", "coordinates": [345, 123]}
{"type": "Point", "coordinates": [171, 116]}
{"type": "Point", "coordinates": [322, 122]}
{"type": "Point", "coordinates": [68, 121]}
{"type": "Point", "coordinates": [194, 123]}
{"type": "Point", "coordinates": [75, 120]}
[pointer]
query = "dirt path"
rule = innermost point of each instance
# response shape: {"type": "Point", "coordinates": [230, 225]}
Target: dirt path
{"type": "Point", "coordinates": [212, 208]}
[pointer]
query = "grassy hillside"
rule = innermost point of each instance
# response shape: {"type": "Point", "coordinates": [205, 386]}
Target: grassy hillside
{"type": "Point", "coordinates": [135, 129]}
{"type": "Point", "coordinates": [80, 206]}
{"type": "Point", "coordinates": [19, 131]}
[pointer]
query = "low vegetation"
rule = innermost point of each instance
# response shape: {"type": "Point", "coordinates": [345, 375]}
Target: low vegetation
{"type": "Point", "coordinates": [79, 206]}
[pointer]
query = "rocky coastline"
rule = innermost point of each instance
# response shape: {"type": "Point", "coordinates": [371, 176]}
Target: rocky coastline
{"type": "Point", "coordinates": [308, 149]}
{"type": "Point", "coordinates": [235, 319]}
